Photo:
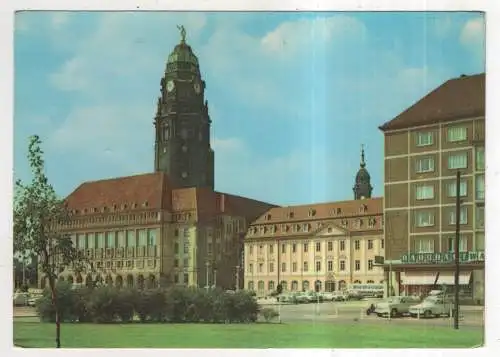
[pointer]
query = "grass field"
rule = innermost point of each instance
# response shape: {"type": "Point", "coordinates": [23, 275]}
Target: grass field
{"type": "Point", "coordinates": [300, 335]}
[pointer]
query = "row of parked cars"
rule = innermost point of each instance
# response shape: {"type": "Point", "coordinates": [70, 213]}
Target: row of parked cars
{"type": "Point", "coordinates": [303, 297]}
{"type": "Point", "coordinates": [436, 304]}
{"type": "Point", "coordinates": [26, 298]}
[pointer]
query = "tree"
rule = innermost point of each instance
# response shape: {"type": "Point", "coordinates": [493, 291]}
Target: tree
{"type": "Point", "coordinates": [39, 221]}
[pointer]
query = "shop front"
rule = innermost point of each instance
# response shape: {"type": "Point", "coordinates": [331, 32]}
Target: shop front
{"type": "Point", "coordinates": [419, 273]}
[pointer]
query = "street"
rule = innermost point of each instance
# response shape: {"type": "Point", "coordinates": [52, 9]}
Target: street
{"type": "Point", "coordinates": [355, 311]}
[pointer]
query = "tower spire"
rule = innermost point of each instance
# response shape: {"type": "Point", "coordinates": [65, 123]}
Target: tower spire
{"type": "Point", "coordinates": [363, 163]}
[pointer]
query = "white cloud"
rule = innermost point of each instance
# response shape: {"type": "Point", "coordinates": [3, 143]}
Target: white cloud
{"type": "Point", "coordinates": [473, 34]}
{"type": "Point", "coordinates": [59, 19]}
{"type": "Point", "coordinates": [305, 35]}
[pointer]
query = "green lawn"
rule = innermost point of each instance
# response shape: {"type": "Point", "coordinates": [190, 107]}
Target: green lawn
{"type": "Point", "coordinates": [300, 335]}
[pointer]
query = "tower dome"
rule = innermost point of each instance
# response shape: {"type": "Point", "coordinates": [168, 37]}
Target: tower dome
{"type": "Point", "coordinates": [182, 58]}
{"type": "Point", "coordinates": [362, 185]}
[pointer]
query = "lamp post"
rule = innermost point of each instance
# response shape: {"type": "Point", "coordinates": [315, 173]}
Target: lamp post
{"type": "Point", "coordinates": [457, 251]}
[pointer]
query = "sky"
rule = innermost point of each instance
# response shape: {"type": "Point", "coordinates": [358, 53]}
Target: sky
{"type": "Point", "coordinates": [292, 96]}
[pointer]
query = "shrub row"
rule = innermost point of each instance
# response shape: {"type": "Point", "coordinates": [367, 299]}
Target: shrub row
{"type": "Point", "coordinates": [176, 304]}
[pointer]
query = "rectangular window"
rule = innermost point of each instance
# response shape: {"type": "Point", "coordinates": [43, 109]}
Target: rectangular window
{"type": "Point", "coordinates": [294, 248]}
{"type": "Point", "coordinates": [82, 241]}
{"type": "Point", "coordinates": [186, 232]}
{"type": "Point", "coordinates": [424, 139]}
{"type": "Point", "coordinates": [176, 232]}
{"type": "Point", "coordinates": [342, 265]}
{"type": "Point", "coordinates": [356, 245]}
{"type": "Point", "coordinates": [479, 242]}
{"type": "Point", "coordinates": [271, 249]}
{"type": "Point", "coordinates": [306, 266]}
{"type": "Point", "coordinates": [142, 238]}
{"type": "Point", "coordinates": [306, 247]}
{"type": "Point", "coordinates": [186, 262]}
{"type": "Point", "coordinates": [131, 239]}
{"type": "Point", "coordinates": [457, 161]}
{"type": "Point", "coordinates": [424, 192]}
{"type": "Point", "coordinates": [462, 247]}
{"type": "Point", "coordinates": [151, 237]}
{"type": "Point", "coordinates": [330, 265]}
{"type": "Point", "coordinates": [425, 164]}
{"type": "Point", "coordinates": [452, 188]}
{"type": "Point", "coordinates": [318, 266]}
{"type": "Point", "coordinates": [330, 246]}
{"type": "Point", "coordinates": [121, 239]}
{"type": "Point", "coordinates": [176, 248]}
{"type": "Point", "coordinates": [480, 187]}
{"type": "Point", "coordinates": [424, 246]}
{"type": "Point", "coordinates": [283, 248]}
{"type": "Point", "coordinates": [357, 265]}
{"type": "Point", "coordinates": [318, 247]}
{"type": "Point", "coordinates": [342, 245]}
{"type": "Point", "coordinates": [261, 249]}
{"type": "Point", "coordinates": [186, 248]}
{"type": "Point", "coordinates": [463, 216]}
{"type": "Point", "coordinates": [458, 133]}
{"type": "Point", "coordinates": [251, 250]}
{"type": "Point", "coordinates": [283, 267]}
{"type": "Point", "coordinates": [294, 267]}
{"type": "Point", "coordinates": [382, 244]}
{"type": "Point", "coordinates": [370, 244]}
{"type": "Point", "coordinates": [424, 218]}
{"type": "Point", "coordinates": [186, 278]}
{"type": "Point", "coordinates": [250, 268]}
{"type": "Point", "coordinates": [209, 248]}
{"type": "Point", "coordinates": [261, 267]}
{"type": "Point", "coordinates": [176, 278]}
{"type": "Point", "coordinates": [91, 240]}
{"type": "Point", "coordinates": [271, 267]}
{"type": "Point", "coordinates": [480, 159]}
{"type": "Point", "coordinates": [370, 264]}
{"type": "Point", "coordinates": [480, 217]}
{"type": "Point", "coordinates": [100, 240]}
{"type": "Point", "coordinates": [110, 239]}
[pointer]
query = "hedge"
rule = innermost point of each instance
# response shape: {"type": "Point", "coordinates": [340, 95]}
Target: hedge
{"type": "Point", "coordinates": [176, 304]}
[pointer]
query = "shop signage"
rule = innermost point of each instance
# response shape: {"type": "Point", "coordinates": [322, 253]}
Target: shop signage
{"type": "Point", "coordinates": [443, 257]}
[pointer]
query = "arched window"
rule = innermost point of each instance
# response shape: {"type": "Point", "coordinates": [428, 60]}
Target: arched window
{"type": "Point", "coordinates": [260, 285]}
{"type": "Point", "coordinates": [317, 285]}
{"type": "Point", "coordinates": [284, 285]}
{"type": "Point", "coordinates": [357, 281]}
{"type": "Point", "coordinates": [370, 282]}
{"type": "Point", "coordinates": [330, 286]}
{"type": "Point", "coordinates": [250, 285]}
{"type": "Point", "coordinates": [295, 285]}
{"type": "Point", "coordinates": [270, 285]}
{"type": "Point", "coordinates": [342, 285]}
{"type": "Point", "coordinates": [305, 285]}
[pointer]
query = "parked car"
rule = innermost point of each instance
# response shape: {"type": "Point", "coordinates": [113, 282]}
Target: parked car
{"type": "Point", "coordinates": [313, 296]}
{"type": "Point", "coordinates": [328, 296]}
{"type": "Point", "coordinates": [340, 296]}
{"type": "Point", "coordinates": [432, 306]}
{"type": "Point", "coordinates": [33, 299]}
{"type": "Point", "coordinates": [20, 299]}
{"type": "Point", "coordinates": [396, 306]}
{"type": "Point", "coordinates": [354, 295]}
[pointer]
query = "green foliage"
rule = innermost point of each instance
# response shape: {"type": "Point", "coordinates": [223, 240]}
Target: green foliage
{"type": "Point", "coordinates": [177, 305]}
{"type": "Point", "coordinates": [68, 303]}
{"type": "Point", "coordinates": [269, 314]}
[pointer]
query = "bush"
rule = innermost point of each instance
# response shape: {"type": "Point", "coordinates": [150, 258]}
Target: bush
{"type": "Point", "coordinates": [67, 300]}
{"type": "Point", "coordinates": [269, 314]}
{"type": "Point", "coordinates": [177, 304]}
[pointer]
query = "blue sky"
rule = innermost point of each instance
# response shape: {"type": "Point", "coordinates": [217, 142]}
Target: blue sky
{"type": "Point", "coordinates": [292, 96]}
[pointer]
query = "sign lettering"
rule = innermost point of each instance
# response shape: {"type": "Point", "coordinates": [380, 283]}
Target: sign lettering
{"type": "Point", "coordinates": [443, 257]}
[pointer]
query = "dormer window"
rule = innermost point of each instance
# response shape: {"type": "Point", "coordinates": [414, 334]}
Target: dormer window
{"type": "Point", "coordinates": [363, 208]}
{"type": "Point", "coordinates": [268, 217]}
{"type": "Point", "coordinates": [312, 212]}
{"type": "Point", "coordinates": [284, 228]}
{"type": "Point", "coordinates": [95, 209]}
{"type": "Point", "coordinates": [290, 215]}
{"type": "Point", "coordinates": [115, 207]}
{"type": "Point", "coordinates": [306, 227]}
{"type": "Point", "coordinates": [339, 210]}
{"type": "Point", "coordinates": [134, 205]}
{"type": "Point", "coordinates": [84, 210]}
{"type": "Point", "coordinates": [145, 204]}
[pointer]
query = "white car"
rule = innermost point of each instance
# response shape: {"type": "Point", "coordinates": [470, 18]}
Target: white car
{"type": "Point", "coordinates": [395, 305]}
{"type": "Point", "coordinates": [20, 299]}
{"type": "Point", "coordinates": [432, 306]}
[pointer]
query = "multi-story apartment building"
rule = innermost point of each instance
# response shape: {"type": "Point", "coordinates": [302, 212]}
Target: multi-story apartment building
{"type": "Point", "coordinates": [169, 226]}
{"type": "Point", "coordinates": [322, 246]}
{"type": "Point", "coordinates": [425, 146]}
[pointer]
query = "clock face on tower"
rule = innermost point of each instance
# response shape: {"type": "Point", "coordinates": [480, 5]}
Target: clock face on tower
{"type": "Point", "coordinates": [170, 85]}
{"type": "Point", "coordinates": [197, 88]}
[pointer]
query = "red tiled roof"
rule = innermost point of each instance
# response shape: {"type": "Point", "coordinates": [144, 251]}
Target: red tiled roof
{"type": "Point", "coordinates": [243, 206]}
{"type": "Point", "coordinates": [340, 209]}
{"type": "Point", "coordinates": [458, 98]}
{"type": "Point", "coordinates": [132, 191]}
